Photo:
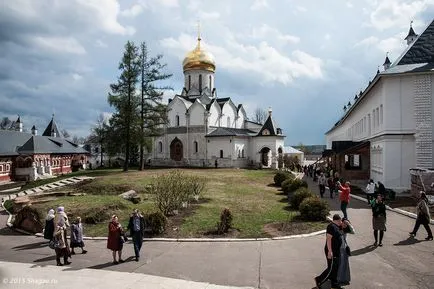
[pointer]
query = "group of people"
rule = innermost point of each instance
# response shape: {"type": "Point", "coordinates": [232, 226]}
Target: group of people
{"type": "Point", "coordinates": [336, 249]}
{"type": "Point", "coordinates": [56, 231]}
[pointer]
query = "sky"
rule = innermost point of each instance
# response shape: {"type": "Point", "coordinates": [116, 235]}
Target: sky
{"type": "Point", "coordinates": [304, 59]}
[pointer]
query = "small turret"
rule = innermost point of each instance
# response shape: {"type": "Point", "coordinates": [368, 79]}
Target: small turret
{"type": "Point", "coordinates": [19, 125]}
{"type": "Point", "coordinates": [411, 37]}
{"type": "Point", "coordinates": [387, 62]}
{"type": "Point", "coordinates": [34, 130]}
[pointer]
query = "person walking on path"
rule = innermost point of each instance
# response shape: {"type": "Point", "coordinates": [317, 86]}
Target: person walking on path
{"type": "Point", "coordinates": [77, 236]}
{"type": "Point", "coordinates": [331, 186]}
{"type": "Point", "coordinates": [322, 181]}
{"type": "Point", "coordinates": [136, 225]}
{"type": "Point", "coordinates": [62, 219]}
{"type": "Point", "coordinates": [343, 276]}
{"type": "Point", "coordinates": [332, 252]}
{"type": "Point", "coordinates": [115, 242]}
{"type": "Point", "coordinates": [49, 225]}
{"type": "Point", "coordinates": [423, 217]}
{"type": "Point", "coordinates": [344, 197]}
{"type": "Point", "coordinates": [61, 247]}
{"type": "Point", "coordinates": [378, 219]}
{"type": "Point", "coordinates": [370, 191]}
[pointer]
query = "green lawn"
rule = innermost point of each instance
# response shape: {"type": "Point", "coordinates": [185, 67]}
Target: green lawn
{"type": "Point", "coordinates": [246, 193]}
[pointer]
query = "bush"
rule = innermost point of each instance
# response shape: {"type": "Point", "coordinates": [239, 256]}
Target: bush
{"type": "Point", "coordinates": [173, 189]}
{"type": "Point", "coordinates": [9, 206]}
{"type": "Point", "coordinates": [314, 209]}
{"type": "Point", "coordinates": [280, 177]}
{"type": "Point", "coordinates": [156, 222]}
{"type": "Point", "coordinates": [225, 221]}
{"type": "Point", "coordinates": [290, 186]}
{"type": "Point", "coordinates": [298, 197]}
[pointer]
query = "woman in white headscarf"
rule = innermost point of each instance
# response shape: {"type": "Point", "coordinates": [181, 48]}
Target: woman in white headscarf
{"type": "Point", "coordinates": [49, 225]}
{"type": "Point", "coordinates": [62, 220]}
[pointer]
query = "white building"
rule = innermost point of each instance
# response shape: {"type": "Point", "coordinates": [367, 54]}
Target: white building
{"type": "Point", "coordinates": [389, 128]}
{"type": "Point", "coordinates": [293, 152]}
{"type": "Point", "coordinates": [204, 130]}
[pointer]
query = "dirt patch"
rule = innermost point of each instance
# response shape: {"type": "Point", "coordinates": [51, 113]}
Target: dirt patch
{"type": "Point", "coordinates": [295, 227]}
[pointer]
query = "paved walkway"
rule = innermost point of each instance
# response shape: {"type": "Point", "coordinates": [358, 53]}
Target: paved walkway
{"type": "Point", "coordinates": [401, 263]}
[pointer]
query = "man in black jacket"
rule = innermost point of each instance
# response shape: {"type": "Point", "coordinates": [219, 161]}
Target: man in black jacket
{"type": "Point", "coordinates": [136, 225]}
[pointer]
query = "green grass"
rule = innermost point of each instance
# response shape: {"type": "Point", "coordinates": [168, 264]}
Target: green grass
{"type": "Point", "coordinates": [246, 193]}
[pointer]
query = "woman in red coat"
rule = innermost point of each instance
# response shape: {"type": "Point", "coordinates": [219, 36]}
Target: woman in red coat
{"type": "Point", "coordinates": [114, 240]}
{"type": "Point", "coordinates": [344, 197]}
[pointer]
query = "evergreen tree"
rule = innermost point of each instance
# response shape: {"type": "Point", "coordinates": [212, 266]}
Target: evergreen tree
{"type": "Point", "coordinates": [124, 99]}
{"type": "Point", "coordinates": [153, 113]}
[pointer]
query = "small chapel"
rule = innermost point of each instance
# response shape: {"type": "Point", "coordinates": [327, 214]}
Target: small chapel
{"type": "Point", "coordinates": [206, 131]}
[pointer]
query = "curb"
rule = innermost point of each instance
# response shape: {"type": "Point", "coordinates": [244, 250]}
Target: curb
{"type": "Point", "coordinates": [399, 211]}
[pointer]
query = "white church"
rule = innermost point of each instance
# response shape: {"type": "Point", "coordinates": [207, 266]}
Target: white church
{"type": "Point", "coordinates": [205, 130]}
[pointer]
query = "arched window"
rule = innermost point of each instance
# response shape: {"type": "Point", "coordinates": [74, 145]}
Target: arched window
{"type": "Point", "coordinates": [242, 153]}
{"type": "Point", "coordinates": [160, 147]}
{"type": "Point", "coordinates": [177, 120]}
{"type": "Point", "coordinates": [229, 121]}
{"type": "Point", "coordinates": [196, 146]}
{"type": "Point", "coordinates": [1, 168]}
{"type": "Point", "coordinates": [210, 82]}
{"type": "Point", "coordinates": [189, 81]}
{"type": "Point", "coordinates": [239, 153]}
{"type": "Point", "coordinates": [200, 82]}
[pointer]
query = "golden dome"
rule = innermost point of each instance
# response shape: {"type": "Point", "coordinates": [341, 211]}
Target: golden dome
{"type": "Point", "coordinates": [198, 59]}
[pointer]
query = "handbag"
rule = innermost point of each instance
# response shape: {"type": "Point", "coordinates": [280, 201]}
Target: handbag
{"type": "Point", "coordinates": [348, 250]}
{"type": "Point", "coordinates": [53, 244]}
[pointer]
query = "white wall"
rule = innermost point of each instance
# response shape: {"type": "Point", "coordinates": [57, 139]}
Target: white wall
{"type": "Point", "coordinates": [197, 114]}
{"type": "Point", "coordinates": [215, 144]}
{"type": "Point", "coordinates": [213, 119]}
{"type": "Point", "coordinates": [228, 111]}
{"type": "Point", "coordinates": [240, 120]}
{"type": "Point", "coordinates": [177, 107]}
{"type": "Point", "coordinates": [195, 78]}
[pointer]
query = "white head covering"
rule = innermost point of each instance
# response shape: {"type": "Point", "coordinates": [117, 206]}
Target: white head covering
{"type": "Point", "coordinates": [50, 215]}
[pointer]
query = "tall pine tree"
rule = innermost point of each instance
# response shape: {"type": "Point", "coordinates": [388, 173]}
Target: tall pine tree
{"type": "Point", "coordinates": [124, 99]}
{"type": "Point", "coordinates": [153, 113]}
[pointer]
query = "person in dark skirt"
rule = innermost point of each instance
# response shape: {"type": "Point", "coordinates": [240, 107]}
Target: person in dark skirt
{"type": "Point", "coordinates": [49, 225]}
{"type": "Point", "coordinates": [77, 236]}
{"type": "Point", "coordinates": [378, 218]}
{"type": "Point", "coordinates": [423, 217]}
{"type": "Point", "coordinates": [61, 248]}
{"type": "Point", "coordinates": [115, 242]}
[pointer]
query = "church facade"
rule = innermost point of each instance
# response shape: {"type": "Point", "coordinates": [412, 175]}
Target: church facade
{"type": "Point", "coordinates": [204, 130]}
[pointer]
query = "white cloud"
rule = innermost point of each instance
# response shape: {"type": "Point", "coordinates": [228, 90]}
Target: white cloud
{"type": "Point", "coordinates": [267, 32]}
{"type": "Point", "coordinates": [259, 4]}
{"type": "Point", "coordinates": [394, 45]}
{"type": "Point", "coordinates": [263, 60]}
{"type": "Point", "coordinates": [301, 9]}
{"type": "Point", "coordinates": [133, 11]}
{"type": "Point", "coordinates": [386, 14]}
{"type": "Point", "coordinates": [208, 15]}
{"type": "Point", "coordinates": [349, 4]}
{"type": "Point", "coordinates": [59, 44]}
{"type": "Point", "coordinates": [100, 43]}
{"type": "Point", "coordinates": [169, 3]}
{"type": "Point", "coordinates": [76, 76]}
{"type": "Point", "coordinates": [371, 40]}
{"type": "Point", "coordinates": [327, 36]}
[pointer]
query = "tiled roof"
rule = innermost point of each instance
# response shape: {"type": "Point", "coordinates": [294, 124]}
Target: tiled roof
{"type": "Point", "coordinates": [228, 131]}
{"type": "Point", "coordinates": [271, 127]}
{"type": "Point", "coordinates": [422, 49]}
{"type": "Point", "coordinates": [10, 140]}
{"type": "Point", "coordinates": [52, 127]}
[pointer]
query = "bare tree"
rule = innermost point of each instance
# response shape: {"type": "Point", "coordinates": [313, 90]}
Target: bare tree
{"type": "Point", "coordinates": [65, 133]}
{"type": "Point", "coordinates": [6, 123]}
{"type": "Point", "coordinates": [260, 115]}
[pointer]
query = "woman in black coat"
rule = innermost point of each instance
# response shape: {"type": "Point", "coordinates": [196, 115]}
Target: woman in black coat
{"type": "Point", "coordinates": [49, 225]}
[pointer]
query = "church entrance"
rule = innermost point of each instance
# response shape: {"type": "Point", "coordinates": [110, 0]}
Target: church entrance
{"type": "Point", "coordinates": [176, 150]}
{"type": "Point", "coordinates": [265, 156]}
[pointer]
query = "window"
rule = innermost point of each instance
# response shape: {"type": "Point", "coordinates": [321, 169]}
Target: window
{"type": "Point", "coordinates": [242, 153]}
{"type": "Point", "coordinates": [160, 147]}
{"type": "Point", "coordinates": [229, 121]}
{"type": "Point", "coordinates": [221, 154]}
{"type": "Point", "coordinates": [265, 132]}
{"type": "Point", "coordinates": [352, 162]}
{"type": "Point", "coordinates": [381, 114]}
{"type": "Point", "coordinates": [189, 82]}
{"type": "Point", "coordinates": [196, 147]}
{"type": "Point", "coordinates": [210, 82]}
{"type": "Point", "coordinates": [1, 168]}
{"type": "Point", "coordinates": [239, 153]}
{"type": "Point", "coordinates": [96, 149]}
{"type": "Point", "coordinates": [200, 82]}
{"type": "Point", "coordinates": [373, 118]}
{"type": "Point", "coordinates": [177, 120]}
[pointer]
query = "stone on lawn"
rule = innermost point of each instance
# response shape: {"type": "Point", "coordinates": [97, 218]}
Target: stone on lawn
{"type": "Point", "coordinates": [131, 196]}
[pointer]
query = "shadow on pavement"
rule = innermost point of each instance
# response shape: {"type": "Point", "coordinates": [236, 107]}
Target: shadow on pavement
{"type": "Point", "coordinates": [364, 250]}
{"type": "Point", "coordinates": [408, 241]}
{"type": "Point", "coordinates": [108, 264]}
{"type": "Point", "coordinates": [46, 259]}
{"type": "Point", "coordinates": [31, 246]}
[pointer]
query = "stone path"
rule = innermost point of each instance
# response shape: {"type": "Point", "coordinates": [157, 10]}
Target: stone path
{"type": "Point", "coordinates": [401, 263]}
{"type": "Point", "coordinates": [46, 187]}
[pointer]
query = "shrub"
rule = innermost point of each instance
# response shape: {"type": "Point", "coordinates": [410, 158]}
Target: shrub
{"type": "Point", "coordinates": [156, 222]}
{"type": "Point", "coordinates": [173, 189]}
{"type": "Point", "coordinates": [225, 221]}
{"type": "Point", "coordinates": [280, 177]}
{"type": "Point", "coordinates": [9, 206]}
{"type": "Point", "coordinates": [290, 186]}
{"type": "Point", "coordinates": [314, 209]}
{"type": "Point", "coordinates": [298, 197]}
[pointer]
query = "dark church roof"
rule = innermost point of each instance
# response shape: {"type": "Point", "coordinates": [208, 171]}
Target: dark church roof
{"type": "Point", "coordinates": [228, 131]}
{"type": "Point", "coordinates": [49, 145]}
{"type": "Point", "coordinates": [410, 33]}
{"type": "Point", "coordinates": [271, 127]}
{"type": "Point", "coordinates": [52, 128]}
{"type": "Point", "coordinates": [422, 50]}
